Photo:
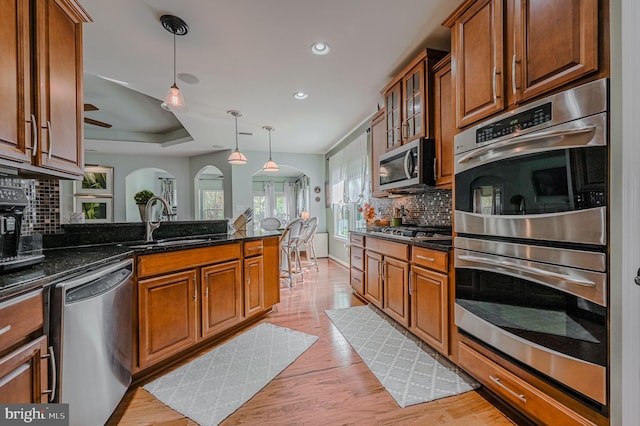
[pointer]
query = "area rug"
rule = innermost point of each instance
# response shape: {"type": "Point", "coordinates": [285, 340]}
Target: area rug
{"type": "Point", "coordinates": [214, 385]}
{"type": "Point", "coordinates": [410, 370]}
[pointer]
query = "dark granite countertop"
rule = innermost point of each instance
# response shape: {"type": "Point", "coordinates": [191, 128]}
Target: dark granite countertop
{"type": "Point", "coordinates": [63, 262]}
{"type": "Point", "coordinates": [440, 245]}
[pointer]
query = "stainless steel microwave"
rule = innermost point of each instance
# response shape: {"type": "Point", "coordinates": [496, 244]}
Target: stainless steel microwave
{"type": "Point", "coordinates": [408, 169]}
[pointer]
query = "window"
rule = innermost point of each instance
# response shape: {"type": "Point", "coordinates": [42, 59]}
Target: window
{"type": "Point", "coordinates": [349, 182]}
{"type": "Point", "coordinates": [212, 202]}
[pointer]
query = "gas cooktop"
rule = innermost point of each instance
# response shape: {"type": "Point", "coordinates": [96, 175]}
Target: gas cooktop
{"type": "Point", "coordinates": [415, 232]}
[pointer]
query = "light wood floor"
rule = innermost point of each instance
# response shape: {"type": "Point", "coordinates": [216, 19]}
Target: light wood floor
{"type": "Point", "coordinates": [329, 384]}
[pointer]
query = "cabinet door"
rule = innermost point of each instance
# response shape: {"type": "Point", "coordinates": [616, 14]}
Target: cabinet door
{"type": "Point", "coordinates": [429, 308]}
{"type": "Point", "coordinates": [378, 137]}
{"type": "Point", "coordinates": [253, 285]}
{"type": "Point", "coordinates": [478, 58]}
{"type": "Point", "coordinates": [167, 315]}
{"type": "Point", "coordinates": [373, 278]}
{"type": "Point", "coordinates": [555, 41]}
{"type": "Point", "coordinates": [271, 255]}
{"type": "Point", "coordinates": [15, 83]}
{"type": "Point", "coordinates": [59, 103]}
{"type": "Point", "coordinates": [396, 290]}
{"type": "Point", "coordinates": [393, 106]}
{"type": "Point", "coordinates": [23, 374]}
{"type": "Point", "coordinates": [413, 111]}
{"type": "Point", "coordinates": [444, 124]}
{"type": "Point", "coordinates": [221, 293]}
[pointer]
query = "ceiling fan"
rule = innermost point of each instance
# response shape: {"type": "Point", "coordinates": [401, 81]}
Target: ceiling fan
{"type": "Point", "coordinates": [91, 107]}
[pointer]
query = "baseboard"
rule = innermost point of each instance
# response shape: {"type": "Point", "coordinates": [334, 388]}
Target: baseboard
{"type": "Point", "coordinates": [340, 261]}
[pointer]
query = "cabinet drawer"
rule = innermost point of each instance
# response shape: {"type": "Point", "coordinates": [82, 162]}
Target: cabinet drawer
{"type": "Point", "coordinates": [20, 317]}
{"type": "Point", "coordinates": [357, 281]}
{"type": "Point", "coordinates": [357, 258]}
{"type": "Point", "coordinates": [516, 391]}
{"type": "Point", "coordinates": [252, 248]}
{"type": "Point", "coordinates": [388, 248]}
{"type": "Point", "coordinates": [356, 239]}
{"type": "Point", "coordinates": [172, 261]}
{"type": "Point", "coordinates": [432, 259]}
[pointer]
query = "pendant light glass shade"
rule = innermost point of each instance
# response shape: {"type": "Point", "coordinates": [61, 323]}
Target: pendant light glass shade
{"type": "Point", "coordinates": [174, 100]}
{"type": "Point", "coordinates": [270, 165]}
{"type": "Point", "coordinates": [236, 156]}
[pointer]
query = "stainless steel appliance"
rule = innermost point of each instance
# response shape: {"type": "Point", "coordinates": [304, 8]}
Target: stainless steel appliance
{"type": "Point", "coordinates": [90, 331]}
{"type": "Point", "coordinates": [415, 232]}
{"type": "Point", "coordinates": [408, 169]}
{"type": "Point", "coordinates": [531, 251]}
{"type": "Point", "coordinates": [12, 204]}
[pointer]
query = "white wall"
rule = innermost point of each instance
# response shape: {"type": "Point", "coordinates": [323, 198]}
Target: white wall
{"type": "Point", "coordinates": [219, 160]}
{"type": "Point", "coordinates": [311, 165]}
{"type": "Point", "coordinates": [123, 165]}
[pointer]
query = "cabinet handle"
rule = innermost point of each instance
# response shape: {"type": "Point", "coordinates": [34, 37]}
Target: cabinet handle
{"type": "Point", "coordinates": [384, 270]}
{"type": "Point", "coordinates": [430, 259]}
{"type": "Point", "coordinates": [495, 84]}
{"type": "Point", "coordinates": [255, 248]}
{"type": "Point", "coordinates": [50, 132]}
{"type": "Point", "coordinates": [5, 329]}
{"type": "Point", "coordinates": [206, 291]}
{"type": "Point", "coordinates": [513, 73]}
{"type": "Point", "coordinates": [405, 129]}
{"type": "Point", "coordinates": [195, 290]}
{"type": "Point", "coordinates": [410, 285]}
{"type": "Point", "coordinates": [356, 279]}
{"type": "Point", "coordinates": [435, 168]}
{"type": "Point", "coordinates": [357, 257]}
{"type": "Point", "coordinates": [34, 135]}
{"type": "Point", "coordinates": [497, 381]}
{"type": "Point", "coordinates": [51, 355]}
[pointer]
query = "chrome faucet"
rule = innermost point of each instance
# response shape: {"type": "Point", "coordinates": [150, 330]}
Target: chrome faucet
{"type": "Point", "coordinates": [151, 226]}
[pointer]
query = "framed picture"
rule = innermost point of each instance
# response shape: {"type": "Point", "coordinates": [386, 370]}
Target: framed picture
{"type": "Point", "coordinates": [95, 209]}
{"type": "Point", "coordinates": [97, 180]}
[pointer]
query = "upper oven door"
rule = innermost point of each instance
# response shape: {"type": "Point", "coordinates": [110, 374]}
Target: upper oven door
{"type": "Point", "coordinates": [547, 185]}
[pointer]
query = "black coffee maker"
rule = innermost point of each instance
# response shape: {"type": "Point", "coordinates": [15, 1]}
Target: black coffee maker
{"type": "Point", "coordinates": [12, 204]}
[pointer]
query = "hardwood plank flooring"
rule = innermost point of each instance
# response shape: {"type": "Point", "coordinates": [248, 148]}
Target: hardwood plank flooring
{"type": "Point", "coordinates": [329, 384]}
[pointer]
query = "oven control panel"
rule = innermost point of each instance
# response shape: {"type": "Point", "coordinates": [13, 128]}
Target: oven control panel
{"type": "Point", "coordinates": [515, 123]}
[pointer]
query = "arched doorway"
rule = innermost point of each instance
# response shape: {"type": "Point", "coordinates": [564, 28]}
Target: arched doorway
{"type": "Point", "coordinates": [158, 181]}
{"type": "Point", "coordinates": [209, 194]}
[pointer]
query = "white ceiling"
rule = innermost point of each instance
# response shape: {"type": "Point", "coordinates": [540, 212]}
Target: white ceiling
{"type": "Point", "coordinates": [249, 55]}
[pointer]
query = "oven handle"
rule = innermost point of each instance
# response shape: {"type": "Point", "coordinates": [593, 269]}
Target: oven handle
{"type": "Point", "coordinates": [537, 271]}
{"type": "Point", "coordinates": [539, 137]}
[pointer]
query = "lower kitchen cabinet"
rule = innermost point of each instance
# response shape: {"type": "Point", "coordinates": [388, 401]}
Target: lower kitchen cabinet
{"type": "Point", "coordinates": [24, 374]}
{"type": "Point", "coordinates": [356, 256]}
{"type": "Point", "coordinates": [396, 290]}
{"type": "Point", "coordinates": [430, 307]}
{"type": "Point", "coordinates": [221, 297]}
{"type": "Point", "coordinates": [253, 285]}
{"type": "Point", "coordinates": [167, 315]}
{"type": "Point", "coordinates": [373, 278]}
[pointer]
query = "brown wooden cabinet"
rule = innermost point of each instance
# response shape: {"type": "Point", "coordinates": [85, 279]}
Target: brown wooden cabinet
{"type": "Point", "coordinates": [429, 290]}
{"type": "Point", "coordinates": [396, 290]}
{"type": "Point", "coordinates": [356, 272]}
{"type": "Point", "coordinates": [444, 122]}
{"type": "Point", "coordinates": [409, 101]}
{"type": "Point", "coordinates": [271, 256]}
{"type": "Point", "coordinates": [23, 374]}
{"type": "Point", "coordinates": [41, 130]}
{"type": "Point", "coordinates": [221, 293]}
{"type": "Point", "coordinates": [253, 285]}
{"type": "Point", "coordinates": [168, 315]}
{"type": "Point", "coordinates": [373, 278]}
{"type": "Point", "coordinates": [506, 52]}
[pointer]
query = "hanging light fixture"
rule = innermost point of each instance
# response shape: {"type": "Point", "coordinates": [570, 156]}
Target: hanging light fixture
{"type": "Point", "coordinates": [270, 166]}
{"type": "Point", "coordinates": [174, 100]}
{"type": "Point", "coordinates": [236, 156]}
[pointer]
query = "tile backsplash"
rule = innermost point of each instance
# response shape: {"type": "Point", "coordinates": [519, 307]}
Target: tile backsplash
{"type": "Point", "coordinates": [42, 215]}
{"type": "Point", "coordinates": [433, 208]}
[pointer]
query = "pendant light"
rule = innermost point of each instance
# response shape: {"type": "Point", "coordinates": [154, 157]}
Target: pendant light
{"type": "Point", "coordinates": [270, 166]}
{"type": "Point", "coordinates": [236, 156]}
{"type": "Point", "coordinates": [174, 100]}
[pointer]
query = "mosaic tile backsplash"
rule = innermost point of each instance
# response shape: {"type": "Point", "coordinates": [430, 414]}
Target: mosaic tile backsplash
{"type": "Point", "coordinates": [42, 215]}
{"type": "Point", "coordinates": [432, 208]}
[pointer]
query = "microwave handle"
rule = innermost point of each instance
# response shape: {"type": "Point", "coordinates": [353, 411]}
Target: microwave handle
{"type": "Point", "coordinates": [539, 137]}
{"type": "Point", "coordinates": [408, 164]}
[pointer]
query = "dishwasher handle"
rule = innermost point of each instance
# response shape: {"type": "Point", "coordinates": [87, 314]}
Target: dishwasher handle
{"type": "Point", "coordinates": [121, 271]}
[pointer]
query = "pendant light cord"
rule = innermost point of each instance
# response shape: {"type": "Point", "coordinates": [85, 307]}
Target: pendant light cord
{"type": "Point", "coordinates": [174, 58]}
{"type": "Point", "coordinates": [270, 145]}
{"type": "Point", "coordinates": [236, 117]}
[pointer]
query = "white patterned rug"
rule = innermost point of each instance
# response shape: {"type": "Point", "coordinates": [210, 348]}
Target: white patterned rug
{"type": "Point", "coordinates": [214, 385]}
{"type": "Point", "coordinates": [410, 371]}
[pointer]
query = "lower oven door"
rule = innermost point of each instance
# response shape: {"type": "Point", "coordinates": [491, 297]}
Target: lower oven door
{"type": "Point", "coordinates": [550, 318]}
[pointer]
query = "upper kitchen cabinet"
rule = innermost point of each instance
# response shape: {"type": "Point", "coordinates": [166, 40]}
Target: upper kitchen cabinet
{"type": "Point", "coordinates": [555, 42]}
{"type": "Point", "coordinates": [408, 101]}
{"type": "Point", "coordinates": [41, 77]}
{"type": "Point", "coordinates": [506, 52]}
{"type": "Point", "coordinates": [444, 122]}
{"type": "Point", "coordinates": [378, 140]}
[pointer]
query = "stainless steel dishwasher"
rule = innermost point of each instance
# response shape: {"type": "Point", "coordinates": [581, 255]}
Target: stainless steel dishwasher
{"type": "Point", "coordinates": [90, 330]}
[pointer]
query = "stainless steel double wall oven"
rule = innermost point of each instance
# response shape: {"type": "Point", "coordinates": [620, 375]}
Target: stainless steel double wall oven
{"type": "Point", "coordinates": [531, 252]}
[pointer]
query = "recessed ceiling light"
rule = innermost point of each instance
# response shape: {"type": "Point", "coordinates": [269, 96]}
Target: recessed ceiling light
{"type": "Point", "coordinates": [320, 48]}
{"type": "Point", "coordinates": [300, 95]}
{"type": "Point", "coordinates": [188, 78]}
